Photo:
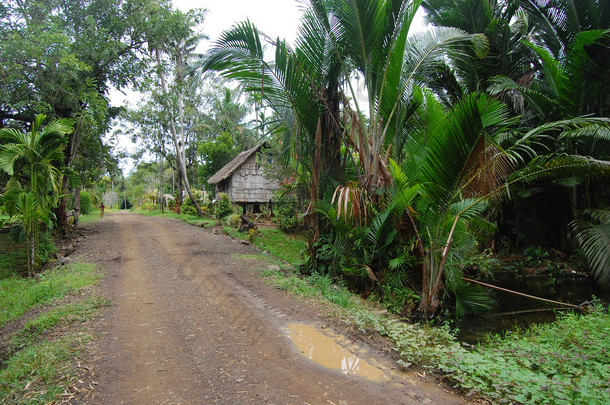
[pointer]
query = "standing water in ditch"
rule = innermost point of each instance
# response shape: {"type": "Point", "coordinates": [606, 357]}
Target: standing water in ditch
{"type": "Point", "coordinates": [510, 310]}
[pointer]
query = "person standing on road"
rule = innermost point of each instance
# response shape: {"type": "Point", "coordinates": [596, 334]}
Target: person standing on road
{"type": "Point", "coordinates": [102, 210]}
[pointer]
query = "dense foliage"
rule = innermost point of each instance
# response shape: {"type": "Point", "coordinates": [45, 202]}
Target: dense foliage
{"type": "Point", "coordinates": [476, 109]}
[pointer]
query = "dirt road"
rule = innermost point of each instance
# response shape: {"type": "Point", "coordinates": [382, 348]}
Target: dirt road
{"type": "Point", "coordinates": [193, 324]}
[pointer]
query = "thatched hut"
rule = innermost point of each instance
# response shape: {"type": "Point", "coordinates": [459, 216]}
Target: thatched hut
{"type": "Point", "coordinates": [243, 178]}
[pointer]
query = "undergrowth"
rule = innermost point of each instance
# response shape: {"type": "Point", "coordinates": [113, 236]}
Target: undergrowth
{"type": "Point", "coordinates": [13, 254]}
{"type": "Point", "coordinates": [18, 295]}
{"type": "Point", "coordinates": [35, 367]}
{"type": "Point", "coordinates": [565, 362]}
{"type": "Point", "coordinates": [188, 218]}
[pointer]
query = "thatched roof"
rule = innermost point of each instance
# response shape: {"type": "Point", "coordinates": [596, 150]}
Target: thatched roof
{"type": "Point", "coordinates": [233, 165]}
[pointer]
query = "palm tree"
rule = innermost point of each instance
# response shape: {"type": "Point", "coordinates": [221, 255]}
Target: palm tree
{"type": "Point", "coordinates": [312, 86]}
{"type": "Point", "coordinates": [35, 154]}
{"type": "Point", "coordinates": [459, 161]}
{"type": "Point", "coordinates": [32, 160]}
{"type": "Point", "coordinates": [557, 22]}
{"type": "Point", "coordinates": [505, 27]}
{"type": "Point", "coordinates": [570, 41]}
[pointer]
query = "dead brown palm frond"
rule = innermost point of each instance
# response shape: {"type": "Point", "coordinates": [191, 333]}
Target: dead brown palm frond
{"type": "Point", "coordinates": [352, 204]}
{"type": "Point", "coordinates": [369, 143]}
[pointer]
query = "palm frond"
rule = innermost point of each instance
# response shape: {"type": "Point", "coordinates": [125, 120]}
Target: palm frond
{"type": "Point", "coordinates": [454, 150]}
{"type": "Point", "coordinates": [593, 237]}
{"type": "Point", "coordinates": [561, 165]}
{"type": "Point", "coordinates": [469, 299]}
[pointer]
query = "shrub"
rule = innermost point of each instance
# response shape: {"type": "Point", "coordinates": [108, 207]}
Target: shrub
{"type": "Point", "coordinates": [223, 206]}
{"type": "Point", "coordinates": [252, 233]}
{"type": "Point", "coordinates": [286, 213]}
{"type": "Point", "coordinates": [46, 249]}
{"type": "Point", "coordinates": [233, 220]}
{"type": "Point", "coordinates": [188, 207]}
{"type": "Point", "coordinates": [86, 202]}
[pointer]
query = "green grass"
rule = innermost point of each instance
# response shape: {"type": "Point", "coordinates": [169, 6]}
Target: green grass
{"type": "Point", "coordinates": [63, 315]}
{"type": "Point", "coordinates": [91, 217]}
{"type": "Point", "coordinates": [284, 246]}
{"type": "Point", "coordinates": [39, 373]}
{"type": "Point", "coordinates": [189, 219]}
{"type": "Point", "coordinates": [18, 295]}
{"type": "Point", "coordinates": [36, 368]}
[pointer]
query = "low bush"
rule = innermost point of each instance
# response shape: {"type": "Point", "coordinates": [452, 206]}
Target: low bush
{"type": "Point", "coordinates": [224, 208]}
{"type": "Point", "coordinates": [285, 207]}
{"type": "Point", "coordinates": [565, 362]}
{"type": "Point", "coordinates": [188, 207]}
{"type": "Point", "coordinates": [233, 220]}
{"type": "Point", "coordinates": [86, 202]}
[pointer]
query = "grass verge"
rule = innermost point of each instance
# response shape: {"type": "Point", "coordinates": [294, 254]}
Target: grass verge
{"type": "Point", "coordinates": [286, 247]}
{"type": "Point", "coordinates": [18, 295]}
{"type": "Point", "coordinates": [36, 364]}
{"type": "Point", "coordinates": [91, 217]}
{"type": "Point", "coordinates": [38, 374]}
{"type": "Point", "coordinates": [189, 219]}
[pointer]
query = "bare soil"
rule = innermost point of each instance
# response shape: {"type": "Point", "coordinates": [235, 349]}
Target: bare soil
{"type": "Point", "coordinates": [193, 324]}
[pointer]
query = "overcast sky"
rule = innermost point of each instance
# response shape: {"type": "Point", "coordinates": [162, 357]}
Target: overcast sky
{"type": "Point", "coordinates": [273, 17]}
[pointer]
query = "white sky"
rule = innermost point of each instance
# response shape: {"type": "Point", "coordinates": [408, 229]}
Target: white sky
{"type": "Point", "coordinates": [273, 17]}
{"type": "Point", "coordinates": [276, 18]}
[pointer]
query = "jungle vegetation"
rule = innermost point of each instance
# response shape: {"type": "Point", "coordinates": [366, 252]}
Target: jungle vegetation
{"type": "Point", "coordinates": [486, 133]}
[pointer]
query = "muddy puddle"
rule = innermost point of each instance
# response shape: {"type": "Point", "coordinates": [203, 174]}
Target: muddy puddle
{"type": "Point", "coordinates": [333, 352]}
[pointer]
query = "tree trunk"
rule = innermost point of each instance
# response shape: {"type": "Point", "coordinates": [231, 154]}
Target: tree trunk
{"type": "Point", "coordinates": [161, 198]}
{"type": "Point", "coordinates": [179, 186]}
{"type": "Point", "coordinates": [178, 149]}
{"type": "Point", "coordinates": [61, 216]}
{"type": "Point", "coordinates": [76, 205]}
{"type": "Point", "coordinates": [32, 255]}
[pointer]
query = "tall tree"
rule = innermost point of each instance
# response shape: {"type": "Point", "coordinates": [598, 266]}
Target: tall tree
{"type": "Point", "coordinates": [61, 57]}
{"type": "Point", "coordinates": [177, 40]}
